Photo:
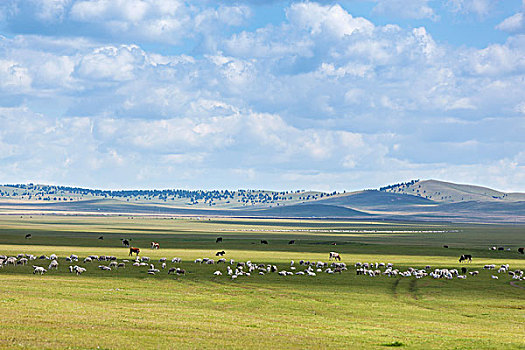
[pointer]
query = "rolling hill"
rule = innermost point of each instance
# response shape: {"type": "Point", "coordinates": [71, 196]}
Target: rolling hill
{"type": "Point", "coordinates": [447, 192]}
{"type": "Point", "coordinates": [428, 200]}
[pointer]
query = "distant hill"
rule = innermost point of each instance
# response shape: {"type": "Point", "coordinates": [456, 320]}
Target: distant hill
{"type": "Point", "coordinates": [447, 192]}
{"type": "Point", "coordinates": [375, 199]}
{"type": "Point", "coordinates": [428, 200]}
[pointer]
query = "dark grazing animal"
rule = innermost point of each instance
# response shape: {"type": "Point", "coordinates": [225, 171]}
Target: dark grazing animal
{"type": "Point", "coordinates": [101, 237]}
{"type": "Point", "coordinates": [463, 270]}
{"type": "Point", "coordinates": [521, 250]}
{"type": "Point", "coordinates": [263, 241]}
{"type": "Point", "coordinates": [465, 257]}
{"type": "Point", "coordinates": [221, 253]}
{"type": "Point", "coordinates": [125, 242]}
{"type": "Point", "coordinates": [28, 236]}
{"type": "Point", "coordinates": [291, 242]}
{"type": "Point", "coordinates": [155, 245]}
{"type": "Point", "coordinates": [218, 240]}
{"type": "Point", "coordinates": [445, 246]}
{"type": "Point", "coordinates": [134, 250]}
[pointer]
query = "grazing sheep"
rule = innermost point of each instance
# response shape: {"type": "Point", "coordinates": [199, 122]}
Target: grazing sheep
{"type": "Point", "coordinates": [495, 277]}
{"type": "Point", "coordinates": [53, 265]}
{"type": "Point", "coordinates": [176, 260]}
{"type": "Point", "coordinates": [217, 273]}
{"type": "Point", "coordinates": [171, 270]}
{"type": "Point", "coordinates": [221, 253]}
{"type": "Point", "coordinates": [87, 259]}
{"type": "Point", "coordinates": [38, 269]}
{"type": "Point", "coordinates": [121, 265]}
{"type": "Point", "coordinates": [163, 265]}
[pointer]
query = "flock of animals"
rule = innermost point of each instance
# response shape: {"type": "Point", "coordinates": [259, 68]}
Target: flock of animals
{"type": "Point", "coordinates": [235, 269]}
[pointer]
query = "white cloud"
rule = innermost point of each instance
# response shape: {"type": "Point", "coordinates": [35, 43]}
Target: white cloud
{"type": "Point", "coordinates": [481, 8]}
{"type": "Point", "coordinates": [51, 10]}
{"type": "Point", "coordinates": [328, 20]}
{"type": "Point", "coordinates": [514, 23]}
{"type": "Point", "coordinates": [417, 9]}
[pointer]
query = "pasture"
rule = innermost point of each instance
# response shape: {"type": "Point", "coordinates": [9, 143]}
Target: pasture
{"type": "Point", "coordinates": [128, 308]}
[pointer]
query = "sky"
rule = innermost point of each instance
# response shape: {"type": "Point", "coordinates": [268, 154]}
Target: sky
{"type": "Point", "coordinates": [253, 94]}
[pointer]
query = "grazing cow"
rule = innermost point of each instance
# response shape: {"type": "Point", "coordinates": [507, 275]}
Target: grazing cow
{"type": "Point", "coordinates": [134, 250]}
{"type": "Point", "coordinates": [521, 250]}
{"type": "Point", "coordinates": [463, 270]}
{"type": "Point", "coordinates": [125, 242]}
{"type": "Point", "coordinates": [28, 236]}
{"type": "Point", "coordinates": [335, 256]}
{"type": "Point", "coordinates": [465, 257]}
{"type": "Point", "coordinates": [101, 237]}
{"type": "Point", "coordinates": [263, 241]}
{"type": "Point", "coordinates": [155, 245]}
{"type": "Point", "coordinates": [218, 240]}
{"type": "Point", "coordinates": [221, 253]}
{"type": "Point", "coordinates": [291, 242]}
{"type": "Point", "coordinates": [445, 246]}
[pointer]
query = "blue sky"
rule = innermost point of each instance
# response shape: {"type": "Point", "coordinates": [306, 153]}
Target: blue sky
{"type": "Point", "coordinates": [262, 94]}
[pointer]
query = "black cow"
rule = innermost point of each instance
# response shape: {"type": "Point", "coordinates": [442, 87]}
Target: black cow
{"type": "Point", "coordinates": [221, 253]}
{"type": "Point", "coordinates": [125, 242]}
{"type": "Point", "coordinates": [445, 246]}
{"type": "Point", "coordinates": [465, 257]}
{"type": "Point", "coordinates": [291, 242]}
{"type": "Point", "coordinates": [263, 241]}
{"type": "Point", "coordinates": [101, 237]}
{"type": "Point", "coordinates": [501, 248]}
{"type": "Point", "coordinates": [28, 236]}
{"type": "Point", "coordinates": [463, 270]}
{"type": "Point", "coordinates": [521, 250]}
{"type": "Point", "coordinates": [218, 240]}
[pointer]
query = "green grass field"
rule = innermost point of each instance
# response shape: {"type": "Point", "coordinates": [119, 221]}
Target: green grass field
{"type": "Point", "coordinates": [127, 308]}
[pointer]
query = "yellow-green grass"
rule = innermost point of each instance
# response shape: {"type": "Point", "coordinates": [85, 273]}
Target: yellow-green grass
{"type": "Point", "coordinates": [127, 308]}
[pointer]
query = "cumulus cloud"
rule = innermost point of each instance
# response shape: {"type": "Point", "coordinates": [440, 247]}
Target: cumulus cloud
{"type": "Point", "coordinates": [324, 99]}
{"type": "Point", "coordinates": [514, 23]}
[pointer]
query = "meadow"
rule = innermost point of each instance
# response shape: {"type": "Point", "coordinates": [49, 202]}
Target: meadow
{"type": "Point", "coordinates": [127, 308]}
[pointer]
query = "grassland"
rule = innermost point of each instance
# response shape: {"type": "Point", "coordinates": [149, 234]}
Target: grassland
{"type": "Point", "coordinates": [128, 308]}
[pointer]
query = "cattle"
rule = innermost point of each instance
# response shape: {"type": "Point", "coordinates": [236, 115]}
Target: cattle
{"type": "Point", "coordinates": [221, 253]}
{"type": "Point", "coordinates": [445, 246]}
{"type": "Point", "coordinates": [463, 270]}
{"type": "Point", "coordinates": [263, 241]}
{"type": "Point", "coordinates": [501, 248]}
{"type": "Point", "coordinates": [125, 242]}
{"type": "Point", "coordinates": [101, 237]}
{"type": "Point", "coordinates": [521, 250]}
{"type": "Point", "coordinates": [291, 242]}
{"type": "Point", "coordinates": [465, 257]}
{"type": "Point", "coordinates": [134, 250]}
{"type": "Point", "coordinates": [335, 256]}
{"type": "Point", "coordinates": [28, 236]}
{"type": "Point", "coordinates": [218, 240]}
{"type": "Point", "coordinates": [155, 245]}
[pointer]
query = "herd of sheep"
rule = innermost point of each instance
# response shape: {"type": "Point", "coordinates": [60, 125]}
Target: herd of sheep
{"type": "Point", "coordinates": [235, 269]}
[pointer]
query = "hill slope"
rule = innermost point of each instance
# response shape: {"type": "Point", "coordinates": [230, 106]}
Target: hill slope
{"type": "Point", "coordinates": [376, 199]}
{"type": "Point", "coordinates": [447, 192]}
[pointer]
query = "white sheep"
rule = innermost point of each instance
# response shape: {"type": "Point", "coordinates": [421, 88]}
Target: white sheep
{"type": "Point", "coordinates": [39, 269]}
{"type": "Point", "coordinates": [53, 265]}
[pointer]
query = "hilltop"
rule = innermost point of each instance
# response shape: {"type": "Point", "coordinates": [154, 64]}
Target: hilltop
{"type": "Point", "coordinates": [447, 192]}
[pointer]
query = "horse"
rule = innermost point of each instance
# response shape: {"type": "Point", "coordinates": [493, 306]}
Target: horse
{"type": "Point", "coordinates": [335, 256]}
{"type": "Point", "coordinates": [465, 257]}
{"type": "Point", "coordinates": [134, 250]}
{"type": "Point", "coordinates": [155, 245]}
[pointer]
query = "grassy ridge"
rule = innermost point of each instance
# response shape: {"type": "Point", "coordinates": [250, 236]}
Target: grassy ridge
{"type": "Point", "coordinates": [128, 307]}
